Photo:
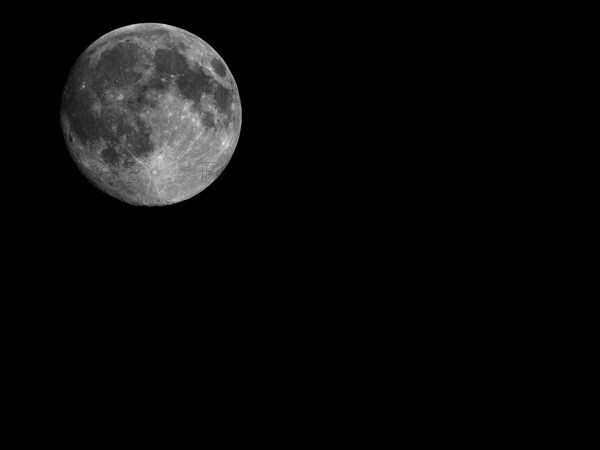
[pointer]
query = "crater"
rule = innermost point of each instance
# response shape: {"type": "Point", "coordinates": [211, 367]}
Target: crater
{"type": "Point", "coordinates": [219, 67]}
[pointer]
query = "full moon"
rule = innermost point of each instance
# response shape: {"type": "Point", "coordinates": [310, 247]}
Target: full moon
{"type": "Point", "coordinates": [151, 114]}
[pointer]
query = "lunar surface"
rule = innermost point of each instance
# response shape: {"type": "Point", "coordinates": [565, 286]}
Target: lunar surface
{"type": "Point", "coordinates": [151, 114]}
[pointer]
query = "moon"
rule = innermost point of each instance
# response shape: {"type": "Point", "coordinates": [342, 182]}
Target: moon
{"type": "Point", "coordinates": [151, 114]}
